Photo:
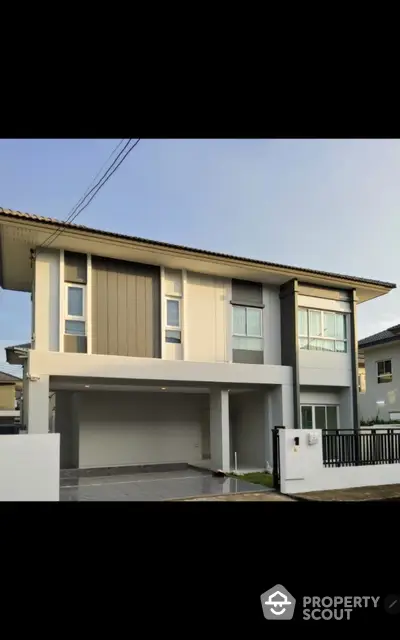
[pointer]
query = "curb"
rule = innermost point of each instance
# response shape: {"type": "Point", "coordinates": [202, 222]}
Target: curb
{"type": "Point", "coordinates": [369, 500]}
{"type": "Point", "coordinates": [219, 495]}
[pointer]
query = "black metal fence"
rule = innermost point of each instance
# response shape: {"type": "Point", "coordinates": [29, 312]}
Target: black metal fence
{"type": "Point", "coordinates": [348, 448]}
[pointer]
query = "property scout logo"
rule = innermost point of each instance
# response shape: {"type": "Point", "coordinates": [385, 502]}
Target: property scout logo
{"type": "Point", "coordinates": [278, 604]}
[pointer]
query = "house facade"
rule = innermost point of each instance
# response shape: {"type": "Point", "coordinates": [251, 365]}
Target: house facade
{"type": "Point", "coordinates": [161, 354]}
{"type": "Point", "coordinates": [380, 398]}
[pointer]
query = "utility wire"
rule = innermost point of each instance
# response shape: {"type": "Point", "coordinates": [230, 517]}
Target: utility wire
{"type": "Point", "coordinates": [95, 178]}
{"type": "Point", "coordinates": [85, 195]}
{"type": "Point", "coordinates": [105, 179]}
{"type": "Point", "coordinates": [78, 208]}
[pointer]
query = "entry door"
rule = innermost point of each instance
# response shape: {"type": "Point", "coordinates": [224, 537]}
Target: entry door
{"type": "Point", "coordinates": [319, 417]}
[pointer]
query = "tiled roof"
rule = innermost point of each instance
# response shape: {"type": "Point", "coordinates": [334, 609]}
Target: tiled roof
{"type": "Point", "coordinates": [69, 225]}
{"type": "Point", "coordinates": [388, 335]}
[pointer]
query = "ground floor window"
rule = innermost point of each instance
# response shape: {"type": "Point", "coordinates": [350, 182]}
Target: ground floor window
{"type": "Point", "coordinates": [319, 416]}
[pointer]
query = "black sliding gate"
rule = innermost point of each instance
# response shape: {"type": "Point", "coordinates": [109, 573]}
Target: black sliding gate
{"type": "Point", "coordinates": [276, 474]}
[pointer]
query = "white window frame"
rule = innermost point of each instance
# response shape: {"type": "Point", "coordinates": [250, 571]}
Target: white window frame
{"type": "Point", "coordinates": [381, 376]}
{"type": "Point", "coordinates": [313, 414]}
{"type": "Point", "coordinates": [72, 285]}
{"type": "Point", "coordinates": [67, 316]}
{"type": "Point", "coordinates": [246, 335]}
{"type": "Point", "coordinates": [309, 337]}
{"type": "Point", "coordinates": [178, 300]}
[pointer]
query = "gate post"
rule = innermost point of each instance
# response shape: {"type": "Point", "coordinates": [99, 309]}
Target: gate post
{"type": "Point", "coordinates": [276, 473]}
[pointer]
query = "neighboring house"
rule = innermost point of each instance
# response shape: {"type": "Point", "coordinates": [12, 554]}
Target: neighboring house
{"type": "Point", "coordinates": [361, 372]}
{"type": "Point", "coordinates": [10, 398]}
{"type": "Point", "coordinates": [381, 398]}
{"type": "Point", "coordinates": [159, 353]}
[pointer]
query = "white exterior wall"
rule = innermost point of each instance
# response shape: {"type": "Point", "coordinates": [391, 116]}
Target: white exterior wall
{"type": "Point", "coordinates": [302, 469]}
{"type": "Point", "coordinates": [172, 286]}
{"type": "Point", "coordinates": [30, 468]}
{"type": "Point", "coordinates": [280, 406]}
{"type": "Point", "coordinates": [46, 300]}
{"type": "Point", "coordinates": [387, 393]}
{"type": "Point", "coordinates": [249, 430]}
{"type": "Point", "coordinates": [315, 395]}
{"type": "Point", "coordinates": [206, 313]}
{"type": "Point", "coordinates": [207, 318]}
{"type": "Point", "coordinates": [123, 428]}
{"type": "Point", "coordinates": [36, 412]}
{"type": "Point", "coordinates": [220, 430]}
{"type": "Point", "coordinates": [321, 368]}
{"type": "Point", "coordinates": [98, 366]}
{"type": "Point", "coordinates": [272, 325]}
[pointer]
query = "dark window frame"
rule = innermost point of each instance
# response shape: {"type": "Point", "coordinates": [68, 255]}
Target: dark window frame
{"type": "Point", "coordinates": [384, 373]}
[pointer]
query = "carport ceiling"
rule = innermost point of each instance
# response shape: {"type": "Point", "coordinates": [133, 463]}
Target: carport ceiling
{"type": "Point", "coordinates": [90, 386]}
{"type": "Point", "coordinates": [100, 384]}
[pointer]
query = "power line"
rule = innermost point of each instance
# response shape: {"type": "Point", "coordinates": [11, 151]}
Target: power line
{"type": "Point", "coordinates": [61, 229]}
{"type": "Point", "coordinates": [85, 195]}
{"type": "Point", "coordinates": [96, 176]}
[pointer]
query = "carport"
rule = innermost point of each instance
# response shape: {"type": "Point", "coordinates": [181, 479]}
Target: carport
{"type": "Point", "coordinates": [106, 424]}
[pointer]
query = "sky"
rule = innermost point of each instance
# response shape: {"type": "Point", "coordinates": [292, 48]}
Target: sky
{"type": "Point", "coordinates": [331, 205]}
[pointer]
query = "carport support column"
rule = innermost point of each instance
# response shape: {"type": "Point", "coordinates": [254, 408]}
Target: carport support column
{"type": "Point", "coordinates": [219, 430]}
{"type": "Point", "coordinates": [37, 414]}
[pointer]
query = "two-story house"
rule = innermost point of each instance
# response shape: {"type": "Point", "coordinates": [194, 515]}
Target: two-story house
{"type": "Point", "coordinates": [159, 353]}
{"type": "Point", "coordinates": [380, 397]}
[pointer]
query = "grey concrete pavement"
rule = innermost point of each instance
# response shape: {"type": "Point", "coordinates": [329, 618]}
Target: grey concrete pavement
{"type": "Point", "coordinates": [167, 485]}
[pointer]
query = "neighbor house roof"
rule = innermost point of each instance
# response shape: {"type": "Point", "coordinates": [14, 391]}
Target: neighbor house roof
{"type": "Point", "coordinates": [7, 378]}
{"type": "Point", "coordinates": [20, 347]}
{"type": "Point", "coordinates": [15, 352]}
{"type": "Point", "coordinates": [9, 213]}
{"type": "Point", "coordinates": [388, 335]}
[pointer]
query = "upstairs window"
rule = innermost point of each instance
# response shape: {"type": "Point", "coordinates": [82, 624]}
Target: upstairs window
{"type": "Point", "coordinates": [75, 309]}
{"type": "Point", "coordinates": [173, 320]}
{"type": "Point", "coordinates": [322, 330]}
{"type": "Point", "coordinates": [247, 328]}
{"type": "Point", "coordinates": [384, 368]}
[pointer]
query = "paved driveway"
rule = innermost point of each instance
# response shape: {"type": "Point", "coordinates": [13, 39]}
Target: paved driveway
{"type": "Point", "coordinates": [166, 485]}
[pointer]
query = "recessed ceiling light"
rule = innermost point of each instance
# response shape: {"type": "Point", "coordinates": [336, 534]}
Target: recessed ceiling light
{"type": "Point", "coordinates": [163, 388]}
{"type": "Point", "coordinates": [87, 386]}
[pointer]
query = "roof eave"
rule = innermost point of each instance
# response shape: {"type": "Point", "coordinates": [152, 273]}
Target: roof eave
{"type": "Point", "coordinates": [376, 288]}
{"type": "Point", "coordinates": [378, 343]}
{"type": "Point", "coordinates": [14, 355]}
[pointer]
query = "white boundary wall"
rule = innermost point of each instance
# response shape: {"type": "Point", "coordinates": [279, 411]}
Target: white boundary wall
{"type": "Point", "coordinates": [302, 469]}
{"type": "Point", "coordinates": [30, 468]}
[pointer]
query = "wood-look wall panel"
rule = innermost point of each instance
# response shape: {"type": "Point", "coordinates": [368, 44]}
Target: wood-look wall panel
{"type": "Point", "coordinates": [125, 308]}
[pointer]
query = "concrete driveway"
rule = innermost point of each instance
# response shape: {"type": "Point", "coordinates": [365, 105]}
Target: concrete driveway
{"type": "Point", "coordinates": [164, 485]}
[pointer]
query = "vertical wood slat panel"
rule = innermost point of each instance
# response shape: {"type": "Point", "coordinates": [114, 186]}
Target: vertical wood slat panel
{"type": "Point", "coordinates": [149, 314]}
{"type": "Point", "coordinates": [126, 308]}
{"type": "Point", "coordinates": [112, 312]}
{"type": "Point", "coordinates": [102, 304]}
{"type": "Point", "coordinates": [95, 314]}
{"type": "Point", "coordinates": [122, 304]}
{"type": "Point", "coordinates": [75, 267]}
{"type": "Point", "coordinates": [132, 335]}
{"type": "Point", "coordinates": [141, 315]}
